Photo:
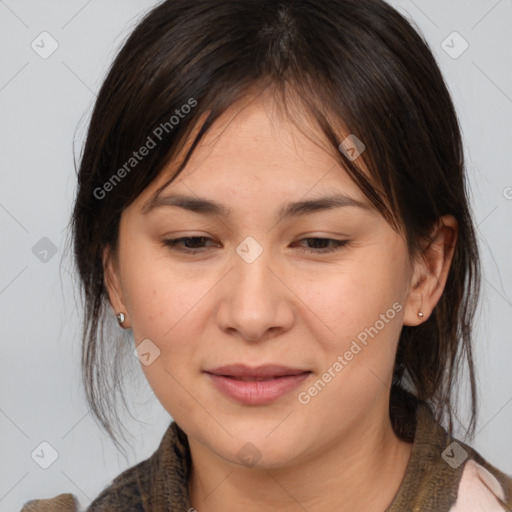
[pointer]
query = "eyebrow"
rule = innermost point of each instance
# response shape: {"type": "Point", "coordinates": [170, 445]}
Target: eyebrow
{"type": "Point", "coordinates": [205, 206]}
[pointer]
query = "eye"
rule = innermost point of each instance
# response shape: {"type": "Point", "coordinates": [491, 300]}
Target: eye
{"type": "Point", "coordinates": [196, 240]}
{"type": "Point", "coordinates": [336, 244]}
{"type": "Point", "coordinates": [194, 244]}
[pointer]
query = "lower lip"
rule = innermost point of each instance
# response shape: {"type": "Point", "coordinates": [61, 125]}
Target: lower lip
{"type": "Point", "coordinates": [257, 392]}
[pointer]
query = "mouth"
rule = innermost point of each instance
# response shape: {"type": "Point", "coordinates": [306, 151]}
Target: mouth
{"type": "Point", "coordinates": [256, 385]}
{"type": "Point", "coordinates": [252, 379]}
{"type": "Point", "coordinates": [264, 372]}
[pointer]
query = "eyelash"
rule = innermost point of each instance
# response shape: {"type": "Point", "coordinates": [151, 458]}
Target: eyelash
{"type": "Point", "coordinates": [173, 244]}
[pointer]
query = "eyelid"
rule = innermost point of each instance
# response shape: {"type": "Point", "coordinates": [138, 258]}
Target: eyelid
{"type": "Point", "coordinates": [172, 243]}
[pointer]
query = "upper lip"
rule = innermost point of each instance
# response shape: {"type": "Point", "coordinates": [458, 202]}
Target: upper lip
{"type": "Point", "coordinates": [244, 371]}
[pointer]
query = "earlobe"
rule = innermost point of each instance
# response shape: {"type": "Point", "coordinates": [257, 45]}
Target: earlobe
{"type": "Point", "coordinates": [111, 280]}
{"type": "Point", "coordinates": [431, 272]}
{"type": "Point", "coordinates": [416, 311]}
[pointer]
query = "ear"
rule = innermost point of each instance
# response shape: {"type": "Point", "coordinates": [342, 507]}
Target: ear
{"type": "Point", "coordinates": [431, 271]}
{"type": "Point", "coordinates": [112, 284]}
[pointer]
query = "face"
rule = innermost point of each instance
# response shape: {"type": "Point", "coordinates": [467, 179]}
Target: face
{"type": "Point", "coordinates": [321, 292]}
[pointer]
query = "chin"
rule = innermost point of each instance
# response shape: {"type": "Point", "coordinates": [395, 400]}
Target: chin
{"type": "Point", "coordinates": [261, 447]}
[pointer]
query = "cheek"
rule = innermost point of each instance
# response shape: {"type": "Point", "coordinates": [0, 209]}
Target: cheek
{"type": "Point", "coordinates": [358, 360]}
{"type": "Point", "coordinates": [163, 303]}
{"type": "Point", "coordinates": [156, 296]}
{"type": "Point", "coordinates": [353, 298]}
{"type": "Point", "coordinates": [169, 305]}
{"type": "Point", "coordinates": [368, 325]}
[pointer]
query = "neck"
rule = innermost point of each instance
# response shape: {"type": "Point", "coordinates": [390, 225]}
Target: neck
{"type": "Point", "coordinates": [363, 470]}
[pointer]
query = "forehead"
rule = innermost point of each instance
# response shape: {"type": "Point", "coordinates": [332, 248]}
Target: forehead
{"type": "Point", "coordinates": [253, 150]}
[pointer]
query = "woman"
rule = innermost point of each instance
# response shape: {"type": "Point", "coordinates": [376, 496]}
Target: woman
{"type": "Point", "coordinates": [272, 200]}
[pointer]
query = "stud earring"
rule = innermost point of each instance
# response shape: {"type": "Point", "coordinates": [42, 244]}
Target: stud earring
{"type": "Point", "coordinates": [420, 314]}
{"type": "Point", "coordinates": [120, 318]}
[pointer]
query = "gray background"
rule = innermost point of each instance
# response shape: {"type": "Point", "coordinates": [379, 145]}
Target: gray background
{"type": "Point", "coordinates": [45, 104]}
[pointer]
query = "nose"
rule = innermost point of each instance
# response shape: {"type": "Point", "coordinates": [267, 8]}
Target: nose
{"type": "Point", "coordinates": [256, 302]}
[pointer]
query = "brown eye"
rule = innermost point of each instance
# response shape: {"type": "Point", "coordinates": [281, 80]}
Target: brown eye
{"type": "Point", "coordinates": [192, 244]}
{"type": "Point", "coordinates": [335, 245]}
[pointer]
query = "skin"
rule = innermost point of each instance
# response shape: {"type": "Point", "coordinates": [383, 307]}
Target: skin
{"type": "Point", "coordinates": [289, 306]}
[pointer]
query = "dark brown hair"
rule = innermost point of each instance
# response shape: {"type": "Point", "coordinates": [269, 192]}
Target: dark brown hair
{"type": "Point", "coordinates": [352, 63]}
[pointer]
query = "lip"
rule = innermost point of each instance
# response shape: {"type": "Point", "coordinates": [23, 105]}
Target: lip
{"type": "Point", "coordinates": [263, 371]}
{"type": "Point", "coordinates": [279, 381]}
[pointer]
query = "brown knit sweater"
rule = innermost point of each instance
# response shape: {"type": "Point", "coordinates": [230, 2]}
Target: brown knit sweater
{"type": "Point", "coordinates": [438, 478]}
